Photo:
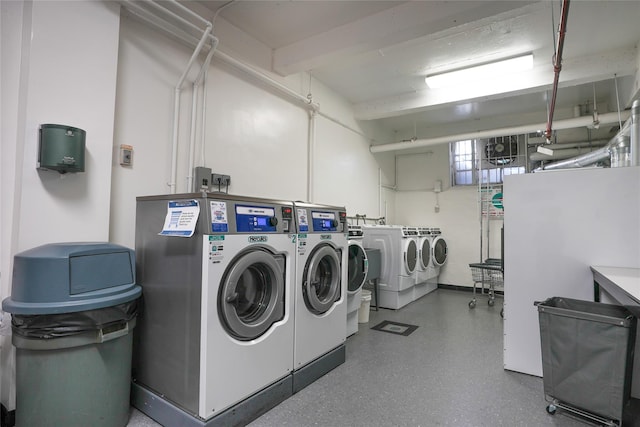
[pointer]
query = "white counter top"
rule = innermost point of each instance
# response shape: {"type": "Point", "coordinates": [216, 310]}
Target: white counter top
{"type": "Point", "coordinates": [622, 283]}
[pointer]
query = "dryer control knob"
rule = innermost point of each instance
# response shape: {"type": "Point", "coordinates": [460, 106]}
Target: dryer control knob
{"type": "Point", "coordinates": [273, 221]}
{"type": "Point", "coordinates": [334, 222]}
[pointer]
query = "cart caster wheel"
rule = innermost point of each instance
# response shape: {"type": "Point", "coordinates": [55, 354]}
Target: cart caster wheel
{"type": "Point", "coordinates": [502, 313]}
{"type": "Point", "coordinates": [491, 302]}
{"type": "Point", "coordinates": [551, 409]}
{"type": "Point", "coordinates": [472, 304]}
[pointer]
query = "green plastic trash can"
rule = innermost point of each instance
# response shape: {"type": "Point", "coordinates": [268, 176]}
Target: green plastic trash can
{"type": "Point", "coordinates": [73, 306]}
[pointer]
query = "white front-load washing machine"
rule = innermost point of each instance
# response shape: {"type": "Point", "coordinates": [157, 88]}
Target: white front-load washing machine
{"type": "Point", "coordinates": [320, 291]}
{"type": "Point", "coordinates": [215, 340]}
{"type": "Point", "coordinates": [357, 275]}
{"type": "Point", "coordinates": [399, 254]}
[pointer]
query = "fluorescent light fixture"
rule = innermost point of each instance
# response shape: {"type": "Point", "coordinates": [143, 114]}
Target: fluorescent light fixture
{"type": "Point", "coordinates": [490, 71]}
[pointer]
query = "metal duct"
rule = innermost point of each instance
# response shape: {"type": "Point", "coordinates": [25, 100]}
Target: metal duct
{"type": "Point", "coordinates": [615, 150]}
{"type": "Point", "coordinates": [580, 161]}
{"type": "Point", "coordinates": [563, 153]}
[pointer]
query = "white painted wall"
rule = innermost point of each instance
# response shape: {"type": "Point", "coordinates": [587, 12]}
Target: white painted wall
{"type": "Point", "coordinates": [557, 224]}
{"type": "Point", "coordinates": [60, 67]}
{"type": "Point", "coordinates": [458, 216]}
{"type": "Point", "coordinates": [253, 134]}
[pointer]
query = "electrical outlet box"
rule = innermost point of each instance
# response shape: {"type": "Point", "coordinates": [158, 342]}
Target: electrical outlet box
{"type": "Point", "coordinates": [126, 155]}
{"type": "Point", "coordinates": [219, 180]}
{"type": "Point", "coordinates": [202, 179]}
{"type": "Point", "coordinates": [437, 188]}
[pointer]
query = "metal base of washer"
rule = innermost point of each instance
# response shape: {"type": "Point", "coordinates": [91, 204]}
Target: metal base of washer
{"type": "Point", "coordinates": [319, 367]}
{"type": "Point", "coordinates": [168, 414]}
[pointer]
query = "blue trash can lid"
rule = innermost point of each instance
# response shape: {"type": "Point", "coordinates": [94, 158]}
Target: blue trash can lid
{"type": "Point", "coordinates": [71, 277]}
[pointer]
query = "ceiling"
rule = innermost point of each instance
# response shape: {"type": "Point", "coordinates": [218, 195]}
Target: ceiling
{"type": "Point", "coordinates": [377, 53]}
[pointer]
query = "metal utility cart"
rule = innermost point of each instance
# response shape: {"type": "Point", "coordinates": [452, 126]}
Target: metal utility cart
{"type": "Point", "coordinates": [489, 275]}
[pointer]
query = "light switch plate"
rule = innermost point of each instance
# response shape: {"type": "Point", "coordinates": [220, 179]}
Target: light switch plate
{"type": "Point", "coordinates": [126, 155]}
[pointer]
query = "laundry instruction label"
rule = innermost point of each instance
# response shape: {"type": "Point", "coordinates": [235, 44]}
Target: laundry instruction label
{"type": "Point", "coordinates": [302, 244]}
{"type": "Point", "coordinates": [303, 220]}
{"type": "Point", "coordinates": [182, 217]}
{"type": "Point", "coordinates": [219, 221]}
{"type": "Point", "coordinates": [216, 249]}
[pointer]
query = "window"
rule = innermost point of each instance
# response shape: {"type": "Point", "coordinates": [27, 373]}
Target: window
{"type": "Point", "coordinates": [487, 161]}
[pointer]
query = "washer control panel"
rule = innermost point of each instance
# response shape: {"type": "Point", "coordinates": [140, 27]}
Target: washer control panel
{"type": "Point", "coordinates": [256, 218]}
{"type": "Point", "coordinates": [324, 221]}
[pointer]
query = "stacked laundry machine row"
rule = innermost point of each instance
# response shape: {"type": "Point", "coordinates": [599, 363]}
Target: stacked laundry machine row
{"type": "Point", "coordinates": [244, 304]}
{"type": "Point", "coordinates": [411, 261]}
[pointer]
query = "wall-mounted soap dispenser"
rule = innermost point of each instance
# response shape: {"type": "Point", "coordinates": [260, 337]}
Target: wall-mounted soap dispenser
{"type": "Point", "coordinates": [61, 148]}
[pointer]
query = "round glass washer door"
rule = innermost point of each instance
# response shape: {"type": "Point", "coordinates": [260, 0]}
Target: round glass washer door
{"type": "Point", "coordinates": [425, 254]}
{"type": "Point", "coordinates": [439, 251]}
{"type": "Point", "coordinates": [321, 279]}
{"type": "Point", "coordinates": [358, 267]}
{"type": "Point", "coordinates": [410, 256]}
{"type": "Point", "coordinates": [251, 296]}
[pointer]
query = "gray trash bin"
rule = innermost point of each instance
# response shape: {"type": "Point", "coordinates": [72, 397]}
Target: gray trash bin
{"type": "Point", "coordinates": [587, 357]}
{"type": "Point", "coordinates": [73, 308]}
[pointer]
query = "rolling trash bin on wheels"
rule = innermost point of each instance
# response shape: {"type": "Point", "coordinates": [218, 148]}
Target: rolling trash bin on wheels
{"type": "Point", "coordinates": [587, 357]}
{"type": "Point", "coordinates": [73, 306]}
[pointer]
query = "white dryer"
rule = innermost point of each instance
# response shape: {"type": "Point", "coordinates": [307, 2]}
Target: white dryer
{"type": "Point", "coordinates": [357, 275]}
{"type": "Point", "coordinates": [439, 255]}
{"type": "Point", "coordinates": [399, 250]}
{"type": "Point", "coordinates": [217, 329]}
{"type": "Point", "coordinates": [424, 254]}
{"type": "Point", "coordinates": [320, 292]}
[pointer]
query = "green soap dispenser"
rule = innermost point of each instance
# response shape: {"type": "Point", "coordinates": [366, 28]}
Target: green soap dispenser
{"type": "Point", "coordinates": [61, 148]}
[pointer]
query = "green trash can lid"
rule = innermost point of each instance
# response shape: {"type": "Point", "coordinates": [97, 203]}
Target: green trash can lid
{"type": "Point", "coordinates": [72, 277]}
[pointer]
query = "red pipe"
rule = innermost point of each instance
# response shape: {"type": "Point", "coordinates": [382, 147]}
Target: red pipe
{"type": "Point", "coordinates": [557, 63]}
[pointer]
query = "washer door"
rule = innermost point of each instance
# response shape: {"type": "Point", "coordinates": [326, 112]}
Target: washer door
{"type": "Point", "coordinates": [321, 279]}
{"type": "Point", "coordinates": [410, 256]}
{"type": "Point", "coordinates": [358, 267]}
{"type": "Point", "coordinates": [425, 253]}
{"type": "Point", "coordinates": [251, 296]}
{"type": "Point", "coordinates": [439, 251]}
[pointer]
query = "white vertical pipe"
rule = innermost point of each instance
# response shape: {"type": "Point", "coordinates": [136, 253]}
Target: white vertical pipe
{"type": "Point", "coordinates": [176, 109]}
{"type": "Point", "coordinates": [379, 192]}
{"type": "Point", "coordinates": [311, 142]}
{"type": "Point", "coordinates": [635, 133]}
{"type": "Point", "coordinates": [192, 135]}
{"type": "Point", "coordinates": [194, 107]}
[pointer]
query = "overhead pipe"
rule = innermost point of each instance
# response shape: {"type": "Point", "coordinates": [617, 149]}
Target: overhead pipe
{"type": "Point", "coordinates": [267, 80]}
{"type": "Point", "coordinates": [566, 145]}
{"type": "Point", "coordinates": [557, 64]}
{"type": "Point", "coordinates": [571, 123]}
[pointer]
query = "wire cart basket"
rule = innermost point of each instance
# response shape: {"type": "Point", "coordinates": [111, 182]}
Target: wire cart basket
{"type": "Point", "coordinates": [490, 276]}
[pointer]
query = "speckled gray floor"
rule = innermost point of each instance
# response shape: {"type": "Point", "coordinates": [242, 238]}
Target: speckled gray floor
{"type": "Point", "coordinates": [448, 372]}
